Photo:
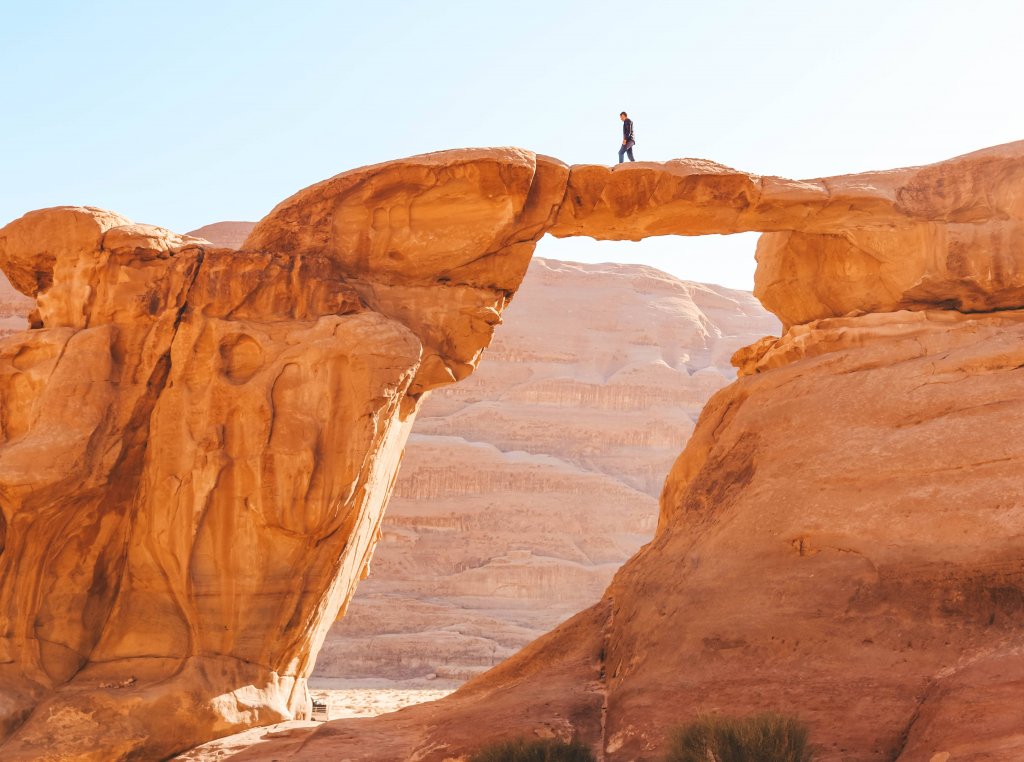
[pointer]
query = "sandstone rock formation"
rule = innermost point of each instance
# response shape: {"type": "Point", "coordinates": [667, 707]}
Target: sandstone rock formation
{"type": "Point", "coordinates": [947, 235]}
{"type": "Point", "coordinates": [526, 486]}
{"type": "Point", "coordinates": [197, 445]}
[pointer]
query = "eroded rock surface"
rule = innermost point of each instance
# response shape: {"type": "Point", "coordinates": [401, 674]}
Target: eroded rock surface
{"type": "Point", "coordinates": [525, 487]}
{"type": "Point", "coordinates": [196, 446]}
{"type": "Point", "coordinates": [946, 235]}
{"type": "Point", "coordinates": [840, 541]}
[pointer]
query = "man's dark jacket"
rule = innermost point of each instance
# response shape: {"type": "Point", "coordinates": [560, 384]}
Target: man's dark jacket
{"type": "Point", "coordinates": [627, 130]}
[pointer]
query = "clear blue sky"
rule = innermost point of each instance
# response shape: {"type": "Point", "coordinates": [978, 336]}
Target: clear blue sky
{"type": "Point", "coordinates": [185, 113]}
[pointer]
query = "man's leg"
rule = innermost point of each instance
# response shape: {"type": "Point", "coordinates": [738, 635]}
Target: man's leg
{"type": "Point", "coordinates": [629, 150]}
{"type": "Point", "coordinates": [621, 152]}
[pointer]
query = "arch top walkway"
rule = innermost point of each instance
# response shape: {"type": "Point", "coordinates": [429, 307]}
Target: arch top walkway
{"type": "Point", "coordinates": [946, 234]}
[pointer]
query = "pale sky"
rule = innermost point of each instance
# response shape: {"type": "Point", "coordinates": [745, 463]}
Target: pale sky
{"type": "Point", "coordinates": [185, 113]}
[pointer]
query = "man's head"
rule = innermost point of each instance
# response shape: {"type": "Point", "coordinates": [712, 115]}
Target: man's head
{"type": "Point", "coordinates": [623, 115]}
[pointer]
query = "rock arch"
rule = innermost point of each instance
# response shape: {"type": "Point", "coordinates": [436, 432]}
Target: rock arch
{"type": "Point", "coordinates": [178, 539]}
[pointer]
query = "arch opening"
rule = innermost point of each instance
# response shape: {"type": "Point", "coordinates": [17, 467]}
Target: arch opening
{"type": "Point", "coordinates": [525, 486]}
{"type": "Point", "coordinates": [723, 260]}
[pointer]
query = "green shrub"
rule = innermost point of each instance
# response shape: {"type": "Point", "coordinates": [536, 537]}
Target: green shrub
{"type": "Point", "coordinates": [761, 738]}
{"type": "Point", "coordinates": [521, 750]}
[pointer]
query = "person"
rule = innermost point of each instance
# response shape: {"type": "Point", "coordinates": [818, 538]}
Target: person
{"type": "Point", "coordinates": [628, 140]}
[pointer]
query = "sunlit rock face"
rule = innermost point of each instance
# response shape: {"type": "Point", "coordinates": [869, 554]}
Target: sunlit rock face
{"type": "Point", "coordinates": [524, 487]}
{"type": "Point", "coordinates": [840, 540]}
{"type": "Point", "coordinates": [197, 444]}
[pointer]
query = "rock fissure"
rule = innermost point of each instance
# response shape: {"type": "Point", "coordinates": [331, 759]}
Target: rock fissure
{"type": "Point", "coordinates": [905, 734]}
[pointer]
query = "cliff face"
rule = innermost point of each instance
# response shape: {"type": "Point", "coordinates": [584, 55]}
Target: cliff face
{"type": "Point", "coordinates": [197, 445]}
{"type": "Point", "coordinates": [526, 486]}
{"type": "Point", "coordinates": [871, 553]}
{"type": "Point", "coordinates": [862, 572]}
{"type": "Point", "coordinates": [841, 538]}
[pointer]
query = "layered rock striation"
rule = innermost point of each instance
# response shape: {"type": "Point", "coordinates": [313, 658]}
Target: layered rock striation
{"type": "Point", "coordinates": [525, 487]}
{"type": "Point", "coordinates": [197, 444]}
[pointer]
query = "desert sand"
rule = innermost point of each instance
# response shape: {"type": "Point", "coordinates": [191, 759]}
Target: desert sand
{"type": "Point", "coordinates": [344, 703]}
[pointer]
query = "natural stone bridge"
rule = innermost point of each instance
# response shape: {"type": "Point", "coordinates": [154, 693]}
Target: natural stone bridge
{"type": "Point", "coordinates": [197, 444]}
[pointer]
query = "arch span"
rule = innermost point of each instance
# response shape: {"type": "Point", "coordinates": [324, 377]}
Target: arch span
{"type": "Point", "coordinates": [944, 235]}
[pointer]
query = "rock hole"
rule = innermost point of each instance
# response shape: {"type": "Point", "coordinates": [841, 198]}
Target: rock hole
{"type": "Point", "coordinates": [241, 357]}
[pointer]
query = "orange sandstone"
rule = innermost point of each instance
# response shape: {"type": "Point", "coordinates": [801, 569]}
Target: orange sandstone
{"type": "Point", "coordinates": [197, 445]}
{"type": "Point", "coordinates": [840, 541]}
{"type": "Point", "coordinates": [196, 449]}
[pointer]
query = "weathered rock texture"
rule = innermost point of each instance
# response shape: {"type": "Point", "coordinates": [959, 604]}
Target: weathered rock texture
{"type": "Point", "coordinates": [944, 235]}
{"type": "Point", "coordinates": [526, 486]}
{"type": "Point", "coordinates": [197, 445]}
{"type": "Point", "coordinates": [841, 541]}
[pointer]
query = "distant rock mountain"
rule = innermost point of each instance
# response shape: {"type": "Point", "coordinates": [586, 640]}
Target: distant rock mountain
{"type": "Point", "coordinates": [14, 307]}
{"type": "Point", "coordinates": [228, 234]}
{"type": "Point", "coordinates": [526, 486]}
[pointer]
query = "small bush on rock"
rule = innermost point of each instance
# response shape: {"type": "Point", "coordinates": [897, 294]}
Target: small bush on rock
{"type": "Point", "coordinates": [521, 750]}
{"type": "Point", "coordinates": [761, 738]}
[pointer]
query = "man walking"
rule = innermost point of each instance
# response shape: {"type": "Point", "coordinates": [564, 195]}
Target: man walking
{"type": "Point", "coordinates": [627, 137]}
